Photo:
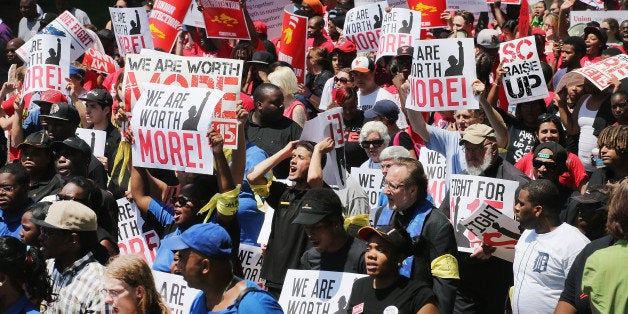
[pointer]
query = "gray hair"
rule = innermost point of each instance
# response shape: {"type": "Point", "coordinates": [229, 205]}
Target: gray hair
{"type": "Point", "coordinates": [393, 152]}
{"type": "Point", "coordinates": [375, 126]}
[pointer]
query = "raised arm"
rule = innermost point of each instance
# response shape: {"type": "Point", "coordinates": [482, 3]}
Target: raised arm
{"type": "Point", "coordinates": [257, 175]}
{"type": "Point", "coordinates": [418, 124]}
{"type": "Point", "coordinates": [563, 19]}
{"type": "Point", "coordinates": [144, 187]}
{"type": "Point", "coordinates": [315, 171]}
{"type": "Point", "coordinates": [225, 180]}
{"type": "Point", "coordinates": [498, 124]}
{"type": "Point", "coordinates": [568, 118]}
{"type": "Point", "coordinates": [497, 12]}
{"type": "Point", "coordinates": [238, 156]}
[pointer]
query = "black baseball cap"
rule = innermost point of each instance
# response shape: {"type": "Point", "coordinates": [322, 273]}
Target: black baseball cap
{"type": "Point", "coordinates": [317, 204]}
{"type": "Point", "coordinates": [38, 139]}
{"type": "Point", "coordinates": [75, 143]}
{"type": "Point", "coordinates": [101, 96]}
{"type": "Point", "coordinates": [63, 111]}
{"type": "Point", "coordinates": [397, 237]}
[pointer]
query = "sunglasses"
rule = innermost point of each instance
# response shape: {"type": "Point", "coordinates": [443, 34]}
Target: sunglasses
{"type": "Point", "coordinates": [375, 143]}
{"type": "Point", "coordinates": [548, 165]}
{"type": "Point", "coordinates": [182, 200]}
{"type": "Point", "coordinates": [343, 80]}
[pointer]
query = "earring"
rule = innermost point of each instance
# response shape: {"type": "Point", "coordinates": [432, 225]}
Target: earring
{"type": "Point", "coordinates": [1, 284]}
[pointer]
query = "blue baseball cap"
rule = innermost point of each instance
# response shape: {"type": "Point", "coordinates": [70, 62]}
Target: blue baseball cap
{"type": "Point", "coordinates": [208, 239]}
{"type": "Point", "coordinates": [383, 108]}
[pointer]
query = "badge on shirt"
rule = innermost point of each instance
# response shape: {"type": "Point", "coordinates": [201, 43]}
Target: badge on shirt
{"type": "Point", "coordinates": [391, 310]}
{"type": "Point", "coordinates": [358, 309]}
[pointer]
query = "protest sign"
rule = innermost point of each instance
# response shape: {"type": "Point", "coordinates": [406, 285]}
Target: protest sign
{"type": "Point", "coordinates": [99, 62]}
{"type": "Point", "coordinates": [65, 25]}
{"type": "Point", "coordinates": [164, 21]}
{"type": "Point", "coordinates": [466, 193]}
{"type": "Point", "coordinates": [48, 63]}
{"type": "Point", "coordinates": [250, 257]}
{"type": "Point", "coordinates": [363, 25]}
{"type": "Point", "coordinates": [194, 17]}
{"type": "Point", "coordinates": [598, 4]}
{"type": "Point", "coordinates": [132, 238]}
{"type": "Point", "coordinates": [436, 170]}
{"type": "Point", "coordinates": [170, 128]}
{"type": "Point", "coordinates": [430, 12]}
{"type": "Point", "coordinates": [175, 292]}
{"type": "Point", "coordinates": [94, 138]}
{"type": "Point", "coordinates": [264, 233]}
{"type": "Point", "coordinates": [132, 29]}
{"type": "Point", "coordinates": [371, 182]}
{"type": "Point", "coordinates": [467, 5]}
{"type": "Point", "coordinates": [224, 19]}
{"type": "Point", "coordinates": [584, 17]}
{"type": "Point", "coordinates": [293, 42]}
{"type": "Point", "coordinates": [508, 2]}
{"type": "Point", "coordinates": [213, 73]}
{"type": "Point", "coordinates": [441, 75]}
{"type": "Point", "coordinates": [270, 12]}
{"type": "Point", "coordinates": [495, 229]}
{"type": "Point", "coordinates": [401, 27]}
{"type": "Point", "coordinates": [602, 73]}
{"type": "Point", "coordinates": [392, 3]}
{"type": "Point", "coordinates": [524, 79]}
{"type": "Point", "coordinates": [313, 291]}
{"type": "Point", "coordinates": [329, 124]}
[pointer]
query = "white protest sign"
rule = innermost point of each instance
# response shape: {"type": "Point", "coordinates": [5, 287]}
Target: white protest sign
{"type": "Point", "coordinates": [329, 124]}
{"type": "Point", "coordinates": [363, 25]}
{"type": "Point", "coordinates": [583, 17]}
{"type": "Point", "coordinates": [495, 229]}
{"type": "Point", "coordinates": [598, 4]}
{"type": "Point", "coordinates": [602, 73]}
{"type": "Point", "coordinates": [264, 233]}
{"type": "Point", "coordinates": [436, 170]}
{"type": "Point", "coordinates": [524, 79]}
{"type": "Point", "coordinates": [194, 17]}
{"type": "Point", "coordinates": [48, 64]}
{"type": "Point", "coordinates": [175, 292]}
{"type": "Point", "coordinates": [466, 194]}
{"type": "Point", "coordinates": [94, 138]}
{"type": "Point", "coordinates": [441, 77]}
{"type": "Point", "coordinates": [371, 182]}
{"type": "Point", "coordinates": [65, 25]}
{"type": "Point", "coordinates": [269, 12]}
{"type": "Point", "coordinates": [131, 28]}
{"type": "Point", "coordinates": [250, 257]}
{"type": "Point", "coordinates": [170, 126]}
{"type": "Point", "coordinates": [401, 27]}
{"type": "Point", "coordinates": [467, 5]}
{"type": "Point", "coordinates": [393, 3]}
{"type": "Point", "coordinates": [132, 239]}
{"type": "Point", "coordinates": [313, 291]}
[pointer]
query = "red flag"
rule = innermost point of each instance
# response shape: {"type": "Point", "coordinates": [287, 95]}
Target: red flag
{"type": "Point", "coordinates": [524, 19]}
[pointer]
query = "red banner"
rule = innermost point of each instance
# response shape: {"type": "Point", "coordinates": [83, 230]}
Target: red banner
{"type": "Point", "coordinates": [165, 19]}
{"type": "Point", "coordinates": [293, 42]}
{"type": "Point", "coordinates": [99, 61]}
{"type": "Point", "coordinates": [224, 19]}
{"type": "Point", "coordinates": [430, 12]}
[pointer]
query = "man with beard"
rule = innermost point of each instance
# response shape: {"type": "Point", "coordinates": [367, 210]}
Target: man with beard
{"type": "Point", "coordinates": [267, 127]}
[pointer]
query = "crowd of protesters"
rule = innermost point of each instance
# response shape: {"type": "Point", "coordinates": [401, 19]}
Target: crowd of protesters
{"type": "Point", "coordinates": [568, 153]}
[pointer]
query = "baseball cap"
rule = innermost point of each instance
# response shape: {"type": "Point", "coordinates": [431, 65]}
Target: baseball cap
{"type": "Point", "coordinates": [262, 57]}
{"type": "Point", "coordinates": [476, 133]}
{"type": "Point", "coordinates": [488, 38]}
{"type": "Point", "coordinates": [346, 46]}
{"type": "Point", "coordinates": [38, 139]}
{"type": "Point", "coordinates": [77, 71]}
{"type": "Point", "coordinates": [316, 204]}
{"type": "Point", "coordinates": [559, 154]}
{"type": "Point", "coordinates": [50, 96]}
{"type": "Point", "coordinates": [405, 51]}
{"type": "Point", "coordinates": [600, 33]}
{"type": "Point", "coordinates": [362, 64]}
{"type": "Point", "coordinates": [69, 215]}
{"type": "Point", "coordinates": [397, 237]}
{"type": "Point", "coordinates": [383, 108]}
{"type": "Point", "coordinates": [101, 96]}
{"type": "Point", "coordinates": [208, 239]}
{"type": "Point", "coordinates": [73, 142]}
{"type": "Point", "coordinates": [261, 27]}
{"type": "Point", "coordinates": [63, 111]}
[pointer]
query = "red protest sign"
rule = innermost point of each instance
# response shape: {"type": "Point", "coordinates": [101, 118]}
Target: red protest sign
{"type": "Point", "coordinates": [224, 19]}
{"type": "Point", "coordinates": [430, 12]}
{"type": "Point", "coordinates": [293, 42]}
{"type": "Point", "coordinates": [228, 128]}
{"type": "Point", "coordinates": [99, 61]}
{"type": "Point", "coordinates": [164, 21]}
{"type": "Point", "coordinates": [602, 73]}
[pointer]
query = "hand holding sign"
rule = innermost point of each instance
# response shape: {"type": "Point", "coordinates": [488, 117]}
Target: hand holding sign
{"type": "Point", "coordinates": [325, 146]}
{"type": "Point", "coordinates": [215, 138]}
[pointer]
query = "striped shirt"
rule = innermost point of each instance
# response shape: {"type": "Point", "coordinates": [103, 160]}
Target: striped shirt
{"type": "Point", "coordinates": [77, 289]}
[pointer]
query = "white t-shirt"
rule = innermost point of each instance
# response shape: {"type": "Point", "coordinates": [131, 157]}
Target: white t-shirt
{"type": "Point", "coordinates": [366, 102]}
{"type": "Point", "coordinates": [326, 95]}
{"type": "Point", "coordinates": [541, 265]}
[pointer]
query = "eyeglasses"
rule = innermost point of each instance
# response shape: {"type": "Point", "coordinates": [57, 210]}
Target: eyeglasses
{"type": "Point", "coordinates": [112, 293]}
{"type": "Point", "coordinates": [392, 186]}
{"type": "Point", "coordinates": [7, 188]}
{"type": "Point", "coordinates": [375, 143]}
{"type": "Point", "coordinates": [61, 197]}
{"type": "Point", "coordinates": [343, 80]}
{"type": "Point", "coordinates": [181, 200]}
{"type": "Point", "coordinates": [550, 166]}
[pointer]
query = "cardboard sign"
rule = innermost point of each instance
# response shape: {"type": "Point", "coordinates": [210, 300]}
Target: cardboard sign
{"type": "Point", "coordinates": [194, 17]}
{"type": "Point", "coordinates": [48, 63]}
{"type": "Point", "coordinates": [250, 257]}
{"type": "Point", "coordinates": [65, 25]}
{"type": "Point", "coordinates": [495, 229]}
{"type": "Point", "coordinates": [602, 73]}
{"type": "Point", "coordinates": [329, 124]}
{"type": "Point", "coordinates": [441, 75]}
{"type": "Point", "coordinates": [170, 128]}
{"type": "Point", "coordinates": [132, 238]}
{"type": "Point", "coordinates": [131, 28]}
{"type": "Point", "coordinates": [94, 138]}
{"type": "Point", "coordinates": [293, 43]}
{"type": "Point", "coordinates": [164, 21]}
{"type": "Point", "coordinates": [363, 25]}
{"type": "Point", "coordinates": [224, 19]}
{"type": "Point", "coordinates": [584, 17]}
{"type": "Point", "coordinates": [371, 181]}
{"type": "Point", "coordinates": [507, 2]}
{"type": "Point", "coordinates": [467, 5]}
{"type": "Point", "coordinates": [598, 4]}
{"type": "Point", "coordinates": [175, 292]}
{"type": "Point", "coordinates": [401, 27]}
{"type": "Point", "coordinates": [312, 291]}
{"type": "Point", "coordinates": [436, 171]}
{"type": "Point", "coordinates": [430, 12]}
{"type": "Point", "coordinates": [524, 79]}
{"type": "Point", "coordinates": [467, 194]}
{"type": "Point", "coordinates": [99, 62]}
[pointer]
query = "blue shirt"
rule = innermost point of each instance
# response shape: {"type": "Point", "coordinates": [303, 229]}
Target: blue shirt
{"type": "Point", "coordinates": [253, 302]}
{"type": "Point", "coordinates": [250, 217]}
{"type": "Point", "coordinates": [10, 227]}
{"type": "Point", "coordinates": [23, 305]}
{"type": "Point", "coordinates": [164, 215]}
{"type": "Point", "coordinates": [448, 144]}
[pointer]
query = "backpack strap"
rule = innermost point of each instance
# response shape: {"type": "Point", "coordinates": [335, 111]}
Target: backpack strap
{"type": "Point", "coordinates": [244, 292]}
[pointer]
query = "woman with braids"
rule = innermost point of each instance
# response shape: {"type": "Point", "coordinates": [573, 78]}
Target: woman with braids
{"type": "Point", "coordinates": [130, 287]}
{"type": "Point", "coordinates": [23, 277]}
{"type": "Point", "coordinates": [613, 145]}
